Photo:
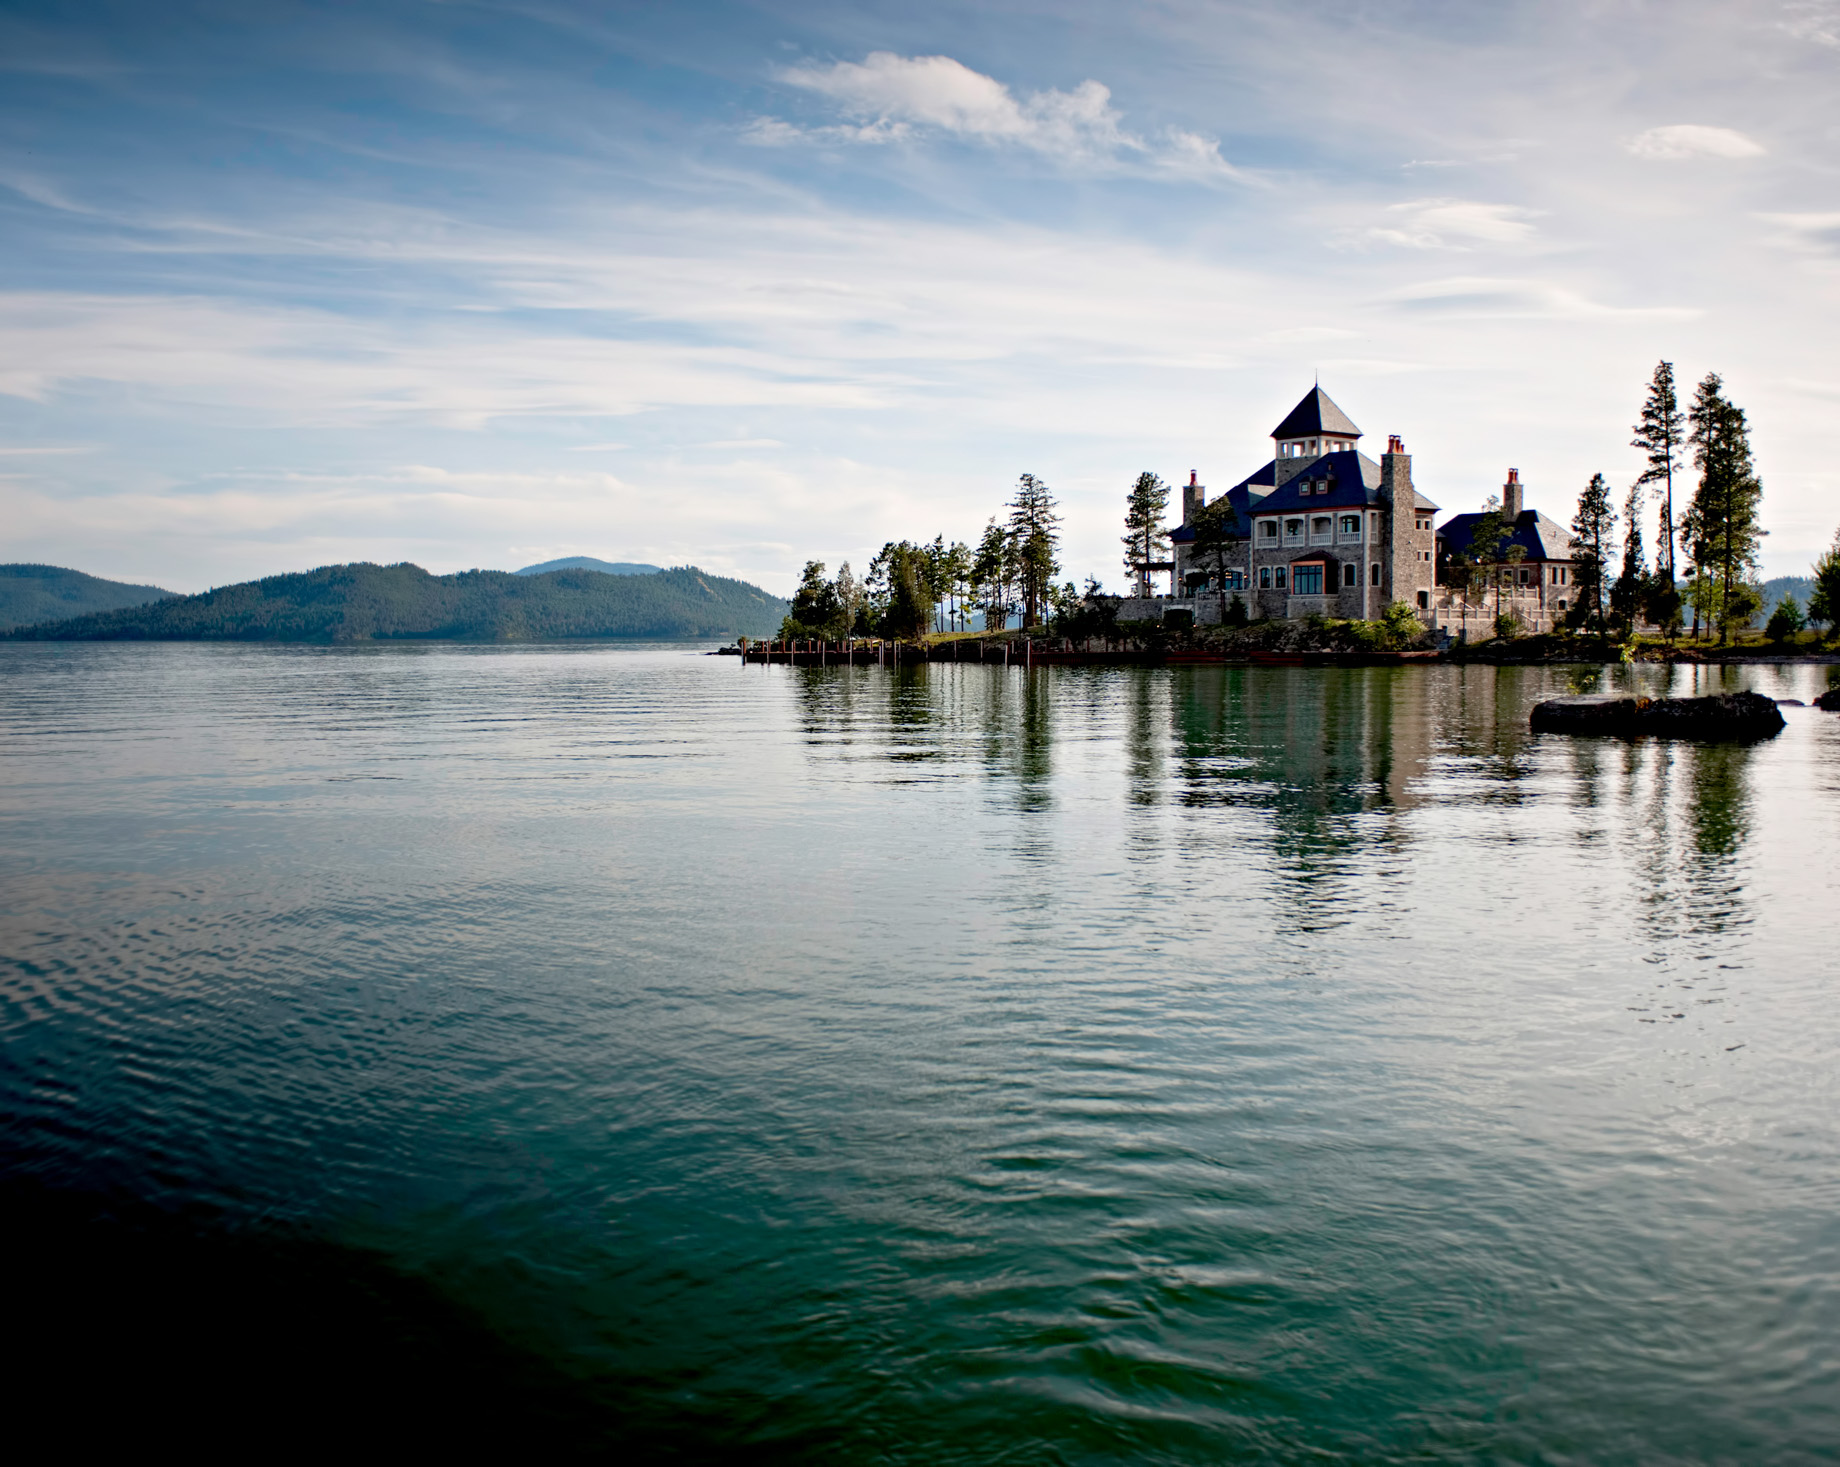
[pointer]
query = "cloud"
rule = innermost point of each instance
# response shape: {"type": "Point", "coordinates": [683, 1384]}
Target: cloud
{"type": "Point", "coordinates": [894, 97]}
{"type": "Point", "coordinates": [1819, 232]}
{"type": "Point", "coordinates": [1434, 224]}
{"type": "Point", "coordinates": [1813, 20]}
{"type": "Point", "coordinates": [1485, 297]}
{"type": "Point", "coordinates": [1691, 140]}
{"type": "Point", "coordinates": [774, 132]}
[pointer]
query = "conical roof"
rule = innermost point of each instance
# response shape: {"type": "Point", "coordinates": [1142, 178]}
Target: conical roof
{"type": "Point", "coordinates": [1316, 414]}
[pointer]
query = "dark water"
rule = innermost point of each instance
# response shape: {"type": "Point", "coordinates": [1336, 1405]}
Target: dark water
{"type": "Point", "coordinates": [623, 1051]}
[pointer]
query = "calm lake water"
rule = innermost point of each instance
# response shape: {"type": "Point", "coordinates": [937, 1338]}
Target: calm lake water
{"type": "Point", "coordinates": [626, 1050]}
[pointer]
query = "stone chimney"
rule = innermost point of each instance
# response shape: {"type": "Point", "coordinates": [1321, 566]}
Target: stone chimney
{"type": "Point", "coordinates": [1396, 472]}
{"type": "Point", "coordinates": [1511, 496]}
{"type": "Point", "coordinates": [1194, 498]}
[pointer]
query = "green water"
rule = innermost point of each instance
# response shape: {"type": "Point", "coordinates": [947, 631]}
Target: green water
{"type": "Point", "coordinates": [626, 1053]}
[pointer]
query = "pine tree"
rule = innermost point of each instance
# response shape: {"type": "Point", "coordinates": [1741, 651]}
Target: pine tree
{"type": "Point", "coordinates": [1723, 517]}
{"type": "Point", "coordinates": [1824, 603]}
{"type": "Point", "coordinates": [1144, 505]}
{"type": "Point", "coordinates": [1592, 529]}
{"type": "Point", "coordinates": [1216, 529]}
{"type": "Point", "coordinates": [1660, 433]}
{"type": "Point", "coordinates": [1629, 595]}
{"type": "Point", "coordinates": [990, 574]}
{"type": "Point", "coordinates": [1487, 539]}
{"type": "Point", "coordinates": [1035, 532]}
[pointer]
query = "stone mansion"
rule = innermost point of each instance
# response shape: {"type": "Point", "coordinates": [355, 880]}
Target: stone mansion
{"type": "Point", "coordinates": [1322, 529]}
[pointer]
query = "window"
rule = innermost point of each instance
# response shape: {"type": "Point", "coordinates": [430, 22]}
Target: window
{"type": "Point", "coordinates": [1424, 600]}
{"type": "Point", "coordinates": [1374, 574]}
{"type": "Point", "coordinates": [1307, 580]}
{"type": "Point", "coordinates": [1320, 525]}
{"type": "Point", "coordinates": [1351, 524]}
{"type": "Point", "coordinates": [1279, 575]}
{"type": "Point", "coordinates": [1265, 577]}
{"type": "Point", "coordinates": [1292, 529]}
{"type": "Point", "coordinates": [1268, 529]}
{"type": "Point", "coordinates": [1347, 575]}
{"type": "Point", "coordinates": [1526, 577]}
{"type": "Point", "coordinates": [1562, 603]}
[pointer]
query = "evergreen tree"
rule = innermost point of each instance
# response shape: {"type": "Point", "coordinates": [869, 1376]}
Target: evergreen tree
{"type": "Point", "coordinates": [991, 569]}
{"type": "Point", "coordinates": [1629, 596]}
{"type": "Point", "coordinates": [1824, 603]}
{"type": "Point", "coordinates": [1723, 519]}
{"type": "Point", "coordinates": [1487, 542]}
{"type": "Point", "coordinates": [1035, 533]}
{"type": "Point", "coordinates": [1145, 539]}
{"type": "Point", "coordinates": [902, 590]}
{"type": "Point", "coordinates": [1215, 536]}
{"type": "Point", "coordinates": [849, 601]}
{"type": "Point", "coordinates": [1660, 433]}
{"type": "Point", "coordinates": [1592, 529]}
{"type": "Point", "coordinates": [1785, 621]}
{"type": "Point", "coordinates": [816, 611]}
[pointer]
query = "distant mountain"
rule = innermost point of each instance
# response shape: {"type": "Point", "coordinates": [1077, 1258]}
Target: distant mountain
{"type": "Point", "coordinates": [361, 603]}
{"type": "Point", "coordinates": [588, 562]}
{"type": "Point", "coordinates": [1800, 587]}
{"type": "Point", "coordinates": [33, 593]}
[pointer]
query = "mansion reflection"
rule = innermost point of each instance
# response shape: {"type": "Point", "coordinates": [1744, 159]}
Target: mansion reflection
{"type": "Point", "coordinates": [1308, 777]}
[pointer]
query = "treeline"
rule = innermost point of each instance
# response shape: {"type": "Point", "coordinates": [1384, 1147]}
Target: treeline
{"type": "Point", "coordinates": [33, 593]}
{"type": "Point", "coordinates": [364, 602]}
{"type": "Point", "coordinates": [1707, 547]}
{"type": "Point", "coordinates": [912, 587]}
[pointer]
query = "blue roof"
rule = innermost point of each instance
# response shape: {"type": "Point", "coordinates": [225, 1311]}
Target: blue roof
{"type": "Point", "coordinates": [1541, 538]}
{"type": "Point", "coordinates": [1353, 479]}
{"type": "Point", "coordinates": [1242, 499]}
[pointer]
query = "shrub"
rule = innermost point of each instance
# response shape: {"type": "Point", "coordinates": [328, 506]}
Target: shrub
{"type": "Point", "coordinates": [1403, 627]}
{"type": "Point", "coordinates": [1785, 621]}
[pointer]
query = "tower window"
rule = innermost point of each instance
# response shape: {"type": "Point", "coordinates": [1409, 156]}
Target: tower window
{"type": "Point", "coordinates": [1374, 573]}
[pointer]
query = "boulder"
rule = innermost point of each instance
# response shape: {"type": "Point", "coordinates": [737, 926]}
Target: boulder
{"type": "Point", "coordinates": [1723, 716]}
{"type": "Point", "coordinates": [1830, 700]}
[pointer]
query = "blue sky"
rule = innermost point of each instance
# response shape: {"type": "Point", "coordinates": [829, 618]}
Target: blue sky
{"type": "Point", "coordinates": [742, 285]}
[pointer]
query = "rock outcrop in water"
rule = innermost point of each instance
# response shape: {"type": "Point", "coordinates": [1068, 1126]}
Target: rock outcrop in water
{"type": "Point", "coordinates": [1830, 700]}
{"type": "Point", "coordinates": [1722, 716]}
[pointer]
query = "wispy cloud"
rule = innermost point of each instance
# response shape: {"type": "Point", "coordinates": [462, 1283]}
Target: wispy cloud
{"type": "Point", "coordinates": [1485, 297]}
{"type": "Point", "coordinates": [1446, 224]}
{"type": "Point", "coordinates": [893, 98]}
{"type": "Point", "coordinates": [1693, 140]}
{"type": "Point", "coordinates": [1813, 20]}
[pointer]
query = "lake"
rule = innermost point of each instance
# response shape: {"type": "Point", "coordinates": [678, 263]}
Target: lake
{"type": "Point", "coordinates": [621, 1050]}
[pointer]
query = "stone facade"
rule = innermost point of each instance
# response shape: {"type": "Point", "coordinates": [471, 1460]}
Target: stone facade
{"type": "Point", "coordinates": [1320, 530]}
{"type": "Point", "coordinates": [1532, 581]}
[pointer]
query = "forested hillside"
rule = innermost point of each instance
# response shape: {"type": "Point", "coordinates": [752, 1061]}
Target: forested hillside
{"type": "Point", "coordinates": [358, 603]}
{"type": "Point", "coordinates": [588, 562]}
{"type": "Point", "coordinates": [31, 593]}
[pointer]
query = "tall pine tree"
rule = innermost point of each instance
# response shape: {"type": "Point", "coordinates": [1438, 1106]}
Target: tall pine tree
{"type": "Point", "coordinates": [1145, 539]}
{"type": "Point", "coordinates": [1722, 522]}
{"type": "Point", "coordinates": [1630, 593]}
{"type": "Point", "coordinates": [1592, 530]}
{"type": "Point", "coordinates": [1660, 433]}
{"type": "Point", "coordinates": [1035, 530]}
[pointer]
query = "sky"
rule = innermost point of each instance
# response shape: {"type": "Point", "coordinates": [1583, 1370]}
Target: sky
{"type": "Point", "coordinates": [746, 285]}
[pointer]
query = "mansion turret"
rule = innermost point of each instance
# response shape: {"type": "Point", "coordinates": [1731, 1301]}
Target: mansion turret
{"type": "Point", "coordinates": [1321, 529]}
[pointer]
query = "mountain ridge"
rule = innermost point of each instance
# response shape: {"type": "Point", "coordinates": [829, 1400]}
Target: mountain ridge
{"type": "Point", "coordinates": [365, 602]}
{"type": "Point", "coordinates": [31, 592]}
{"type": "Point", "coordinates": [588, 562]}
